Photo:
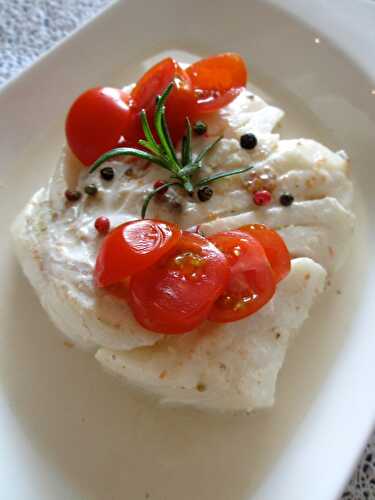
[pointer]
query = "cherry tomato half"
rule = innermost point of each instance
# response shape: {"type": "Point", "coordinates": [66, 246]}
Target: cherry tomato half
{"type": "Point", "coordinates": [274, 247]}
{"type": "Point", "coordinates": [180, 102]}
{"type": "Point", "coordinates": [131, 247]}
{"type": "Point", "coordinates": [100, 119]}
{"type": "Point", "coordinates": [251, 282]}
{"type": "Point", "coordinates": [217, 80]}
{"type": "Point", "coordinates": [176, 294]}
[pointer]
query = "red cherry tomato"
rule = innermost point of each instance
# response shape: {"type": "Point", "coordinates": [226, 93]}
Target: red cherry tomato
{"type": "Point", "coordinates": [251, 282]}
{"type": "Point", "coordinates": [180, 102]}
{"type": "Point", "coordinates": [100, 119]}
{"type": "Point", "coordinates": [132, 247]}
{"type": "Point", "coordinates": [176, 294]}
{"type": "Point", "coordinates": [274, 247]}
{"type": "Point", "coordinates": [217, 80]}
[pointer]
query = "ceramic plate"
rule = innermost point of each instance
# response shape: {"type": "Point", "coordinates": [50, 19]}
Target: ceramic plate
{"type": "Point", "coordinates": [69, 431]}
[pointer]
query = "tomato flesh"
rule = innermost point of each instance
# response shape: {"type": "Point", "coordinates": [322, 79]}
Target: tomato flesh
{"type": "Point", "coordinates": [180, 102]}
{"type": "Point", "coordinates": [274, 247]}
{"type": "Point", "coordinates": [175, 294]}
{"type": "Point", "coordinates": [217, 80]}
{"type": "Point", "coordinates": [251, 282]}
{"type": "Point", "coordinates": [131, 247]}
{"type": "Point", "coordinates": [100, 119]}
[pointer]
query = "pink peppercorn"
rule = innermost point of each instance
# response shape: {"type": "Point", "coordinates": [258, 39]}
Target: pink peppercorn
{"type": "Point", "coordinates": [261, 198]}
{"type": "Point", "coordinates": [102, 225]}
{"type": "Point", "coordinates": [158, 184]}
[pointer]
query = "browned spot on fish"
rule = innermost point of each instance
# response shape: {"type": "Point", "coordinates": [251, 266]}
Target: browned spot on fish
{"type": "Point", "coordinates": [331, 251]}
{"type": "Point", "coordinates": [114, 357]}
{"type": "Point", "coordinates": [310, 183]}
{"type": "Point", "coordinates": [163, 374]}
{"type": "Point", "coordinates": [211, 216]}
{"type": "Point", "coordinates": [307, 276]}
{"type": "Point", "coordinates": [278, 335]}
{"type": "Point", "coordinates": [320, 162]}
{"type": "Point", "coordinates": [68, 344]}
{"type": "Point", "coordinates": [201, 387]}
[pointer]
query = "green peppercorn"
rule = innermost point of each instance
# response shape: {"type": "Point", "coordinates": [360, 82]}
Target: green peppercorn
{"type": "Point", "coordinates": [91, 189]}
{"type": "Point", "coordinates": [205, 193]}
{"type": "Point", "coordinates": [107, 173]}
{"type": "Point", "coordinates": [248, 141]}
{"type": "Point", "coordinates": [200, 127]}
{"type": "Point", "coordinates": [286, 199]}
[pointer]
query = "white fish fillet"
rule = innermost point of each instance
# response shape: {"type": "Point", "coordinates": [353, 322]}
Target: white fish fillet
{"type": "Point", "coordinates": [318, 228]}
{"type": "Point", "coordinates": [221, 367]}
{"type": "Point", "coordinates": [225, 367]}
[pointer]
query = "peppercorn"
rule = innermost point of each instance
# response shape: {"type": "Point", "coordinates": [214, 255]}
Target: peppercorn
{"type": "Point", "coordinates": [205, 193]}
{"type": "Point", "coordinates": [262, 197]}
{"type": "Point", "coordinates": [107, 173]}
{"type": "Point", "coordinates": [102, 225]}
{"type": "Point", "coordinates": [200, 127]}
{"type": "Point", "coordinates": [158, 184]}
{"type": "Point", "coordinates": [91, 189]}
{"type": "Point", "coordinates": [248, 141]}
{"type": "Point", "coordinates": [72, 195]}
{"type": "Point", "coordinates": [286, 199]}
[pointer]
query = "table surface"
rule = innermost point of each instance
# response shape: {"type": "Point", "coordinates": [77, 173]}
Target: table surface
{"type": "Point", "coordinates": [30, 27]}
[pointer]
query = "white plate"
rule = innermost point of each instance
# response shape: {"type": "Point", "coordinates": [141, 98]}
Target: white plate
{"type": "Point", "coordinates": [68, 431]}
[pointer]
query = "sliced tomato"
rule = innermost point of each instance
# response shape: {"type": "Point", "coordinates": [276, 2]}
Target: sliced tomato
{"type": "Point", "coordinates": [100, 119]}
{"type": "Point", "coordinates": [132, 247]}
{"type": "Point", "coordinates": [180, 102]}
{"type": "Point", "coordinates": [176, 294]}
{"type": "Point", "coordinates": [251, 282]}
{"type": "Point", "coordinates": [217, 80]}
{"type": "Point", "coordinates": [274, 247]}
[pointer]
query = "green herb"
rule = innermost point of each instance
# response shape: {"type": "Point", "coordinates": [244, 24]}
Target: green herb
{"type": "Point", "coordinates": [163, 153]}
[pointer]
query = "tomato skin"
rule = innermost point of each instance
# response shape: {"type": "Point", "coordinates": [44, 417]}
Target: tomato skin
{"type": "Point", "coordinates": [131, 247]}
{"type": "Point", "coordinates": [100, 119]}
{"type": "Point", "coordinates": [176, 294]}
{"type": "Point", "coordinates": [274, 246]}
{"type": "Point", "coordinates": [180, 102]}
{"type": "Point", "coordinates": [251, 282]}
{"type": "Point", "coordinates": [217, 80]}
{"type": "Point", "coordinates": [103, 118]}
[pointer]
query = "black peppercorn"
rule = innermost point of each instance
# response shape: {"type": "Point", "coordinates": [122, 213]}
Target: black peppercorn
{"type": "Point", "coordinates": [91, 189]}
{"type": "Point", "coordinates": [107, 173]}
{"type": "Point", "coordinates": [286, 199]}
{"type": "Point", "coordinates": [248, 141]}
{"type": "Point", "coordinates": [72, 195]}
{"type": "Point", "coordinates": [205, 193]}
{"type": "Point", "coordinates": [200, 127]}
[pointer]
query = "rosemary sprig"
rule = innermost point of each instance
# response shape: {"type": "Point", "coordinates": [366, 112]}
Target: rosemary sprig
{"type": "Point", "coordinates": [163, 153]}
{"type": "Point", "coordinates": [221, 175]}
{"type": "Point", "coordinates": [155, 192]}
